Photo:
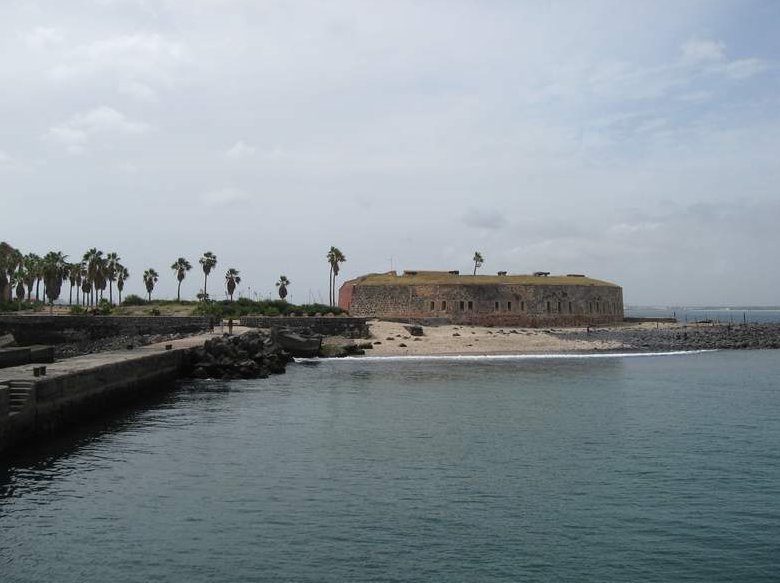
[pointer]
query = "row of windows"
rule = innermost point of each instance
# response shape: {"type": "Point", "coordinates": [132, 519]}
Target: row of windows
{"type": "Point", "coordinates": [593, 307]}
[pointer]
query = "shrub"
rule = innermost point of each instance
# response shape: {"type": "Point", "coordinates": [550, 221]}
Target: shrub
{"type": "Point", "coordinates": [103, 308]}
{"type": "Point", "coordinates": [133, 300]}
{"type": "Point", "coordinates": [18, 307]}
{"type": "Point", "coordinates": [76, 310]}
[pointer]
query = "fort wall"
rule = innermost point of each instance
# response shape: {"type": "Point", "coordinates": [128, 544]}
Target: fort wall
{"type": "Point", "coordinates": [498, 304]}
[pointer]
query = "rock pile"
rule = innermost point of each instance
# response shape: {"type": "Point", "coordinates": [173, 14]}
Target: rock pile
{"type": "Point", "coordinates": [251, 355]}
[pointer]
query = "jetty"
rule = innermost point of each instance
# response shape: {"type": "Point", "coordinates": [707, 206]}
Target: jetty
{"type": "Point", "coordinates": [38, 400]}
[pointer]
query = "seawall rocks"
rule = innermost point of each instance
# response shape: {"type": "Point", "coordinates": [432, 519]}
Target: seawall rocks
{"type": "Point", "coordinates": [717, 337]}
{"type": "Point", "coordinates": [254, 354]}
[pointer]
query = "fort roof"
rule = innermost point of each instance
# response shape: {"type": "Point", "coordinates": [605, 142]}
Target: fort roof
{"type": "Point", "coordinates": [454, 278]}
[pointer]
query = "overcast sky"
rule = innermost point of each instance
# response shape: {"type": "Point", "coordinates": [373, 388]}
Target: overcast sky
{"type": "Point", "coordinates": [637, 142]}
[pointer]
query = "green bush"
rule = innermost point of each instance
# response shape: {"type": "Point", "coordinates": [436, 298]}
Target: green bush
{"type": "Point", "coordinates": [18, 307]}
{"type": "Point", "coordinates": [247, 307]}
{"type": "Point", "coordinates": [76, 310]}
{"type": "Point", "coordinates": [134, 300]}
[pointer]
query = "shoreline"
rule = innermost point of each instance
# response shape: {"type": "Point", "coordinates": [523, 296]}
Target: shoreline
{"type": "Point", "coordinates": [392, 339]}
{"type": "Point", "coordinates": [504, 357]}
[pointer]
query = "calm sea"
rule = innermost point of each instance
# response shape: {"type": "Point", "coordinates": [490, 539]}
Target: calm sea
{"type": "Point", "coordinates": [662, 468]}
{"type": "Point", "coordinates": [734, 315]}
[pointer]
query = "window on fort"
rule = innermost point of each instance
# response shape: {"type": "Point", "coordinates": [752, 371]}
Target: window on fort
{"type": "Point", "coordinates": [496, 307]}
{"type": "Point", "coordinates": [444, 305]}
{"type": "Point", "coordinates": [548, 307]}
{"type": "Point", "coordinates": [570, 307]}
{"type": "Point", "coordinates": [559, 307]}
{"type": "Point", "coordinates": [433, 305]}
{"type": "Point", "coordinates": [509, 306]}
{"type": "Point", "coordinates": [522, 306]}
{"type": "Point", "coordinates": [462, 305]}
{"type": "Point", "coordinates": [471, 305]}
{"type": "Point", "coordinates": [598, 308]}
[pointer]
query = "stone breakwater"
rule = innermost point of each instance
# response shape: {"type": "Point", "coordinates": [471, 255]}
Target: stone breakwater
{"type": "Point", "coordinates": [253, 354]}
{"type": "Point", "coordinates": [716, 337]}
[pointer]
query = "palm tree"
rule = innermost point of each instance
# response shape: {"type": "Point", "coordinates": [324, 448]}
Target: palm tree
{"type": "Point", "coordinates": [32, 264]}
{"type": "Point", "coordinates": [72, 274]}
{"type": "Point", "coordinates": [17, 282]}
{"type": "Point", "coordinates": [478, 261]}
{"type": "Point", "coordinates": [112, 266]}
{"type": "Point", "coordinates": [54, 273]}
{"type": "Point", "coordinates": [95, 265]}
{"type": "Point", "coordinates": [150, 278]}
{"type": "Point", "coordinates": [282, 285]}
{"type": "Point", "coordinates": [86, 285]}
{"type": "Point", "coordinates": [208, 262]}
{"type": "Point", "coordinates": [334, 257]}
{"type": "Point", "coordinates": [122, 276]}
{"type": "Point", "coordinates": [231, 281]}
{"type": "Point", "coordinates": [181, 266]}
{"type": "Point", "coordinates": [10, 262]}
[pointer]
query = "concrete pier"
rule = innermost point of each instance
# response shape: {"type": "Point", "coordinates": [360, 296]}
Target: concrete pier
{"type": "Point", "coordinates": [78, 388]}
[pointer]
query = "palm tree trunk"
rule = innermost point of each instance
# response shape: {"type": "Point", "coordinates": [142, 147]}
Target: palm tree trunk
{"type": "Point", "coordinates": [70, 296]}
{"type": "Point", "coordinates": [205, 281]}
{"type": "Point", "coordinates": [111, 292]}
{"type": "Point", "coordinates": [330, 285]}
{"type": "Point", "coordinates": [178, 292]}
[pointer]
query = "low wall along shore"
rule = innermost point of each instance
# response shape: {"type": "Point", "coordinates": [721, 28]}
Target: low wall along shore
{"type": "Point", "coordinates": [44, 329]}
{"type": "Point", "coordinates": [325, 325]}
{"type": "Point", "coordinates": [32, 406]}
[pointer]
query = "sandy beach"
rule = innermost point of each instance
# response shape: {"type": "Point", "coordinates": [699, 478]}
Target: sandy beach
{"type": "Point", "coordinates": [392, 339]}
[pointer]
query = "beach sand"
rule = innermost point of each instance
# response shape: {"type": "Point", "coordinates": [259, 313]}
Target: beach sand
{"type": "Point", "coordinates": [392, 339]}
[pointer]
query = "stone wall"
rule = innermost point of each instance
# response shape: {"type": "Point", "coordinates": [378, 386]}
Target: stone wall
{"type": "Point", "coordinates": [61, 400]}
{"type": "Point", "coordinates": [498, 305]}
{"type": "Point", "coordinates": [44, 329]}
{"type": "Point", "coordinates": [326, 325]}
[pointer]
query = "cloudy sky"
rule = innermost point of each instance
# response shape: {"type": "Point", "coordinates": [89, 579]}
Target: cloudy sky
{"type": "Point", "coordinates": [637, 142]}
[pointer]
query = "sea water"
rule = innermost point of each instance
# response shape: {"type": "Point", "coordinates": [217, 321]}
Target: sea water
{"type": "Point", "coordinates": [662, 468]}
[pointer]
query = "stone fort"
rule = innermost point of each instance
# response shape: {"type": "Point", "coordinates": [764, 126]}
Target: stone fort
{"type": "Point", "coordinates": [491, 300]}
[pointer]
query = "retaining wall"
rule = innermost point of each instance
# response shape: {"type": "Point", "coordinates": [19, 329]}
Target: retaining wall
{"type": "Point", "coordinates": [44, 329]}
{"type": "Point", "coordinates": [80, 392]}
{"type": "Point", "coordinates": [326, 325]}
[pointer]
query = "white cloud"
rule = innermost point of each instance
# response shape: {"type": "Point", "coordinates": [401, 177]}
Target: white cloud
{"type": "Point", "coordinates": [712, 54]}
{"type": "Point", "coordinates": [240, 150]}
{"type": "Point", "coordinates": [699, 50]}
{"type": "Point", "coordinates": [140, 54]}
{"type": "Point", "coordinates": [75, 133]}
{"type": "Point", "coordinates": [138, 90]}
{"type": "Point", "coordinates": [744, 68]}
{"type": "Point", "coordinates": [42, 38]}
{"type": "Point", "coordinates": [489, 219]}
{"type": "Point", "coordinates": [226, 197]}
